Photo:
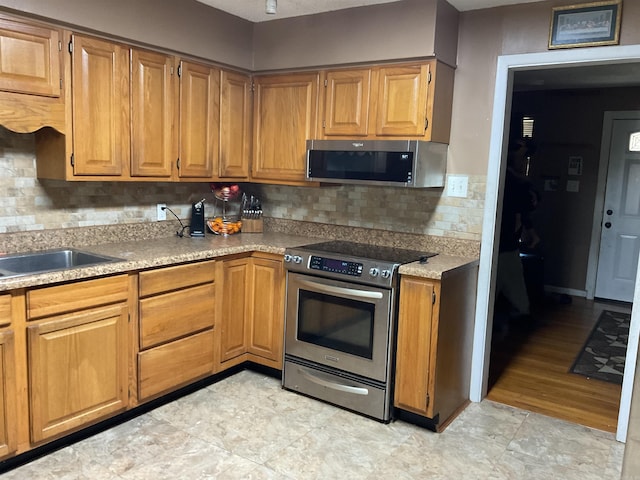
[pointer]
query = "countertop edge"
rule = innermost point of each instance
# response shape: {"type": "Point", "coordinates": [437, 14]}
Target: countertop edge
{"type": "Point", "coordinates": [148, 254]}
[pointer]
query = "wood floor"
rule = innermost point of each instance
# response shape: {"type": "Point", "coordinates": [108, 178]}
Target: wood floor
{"type": "Point", "coordinates": [530, 369]}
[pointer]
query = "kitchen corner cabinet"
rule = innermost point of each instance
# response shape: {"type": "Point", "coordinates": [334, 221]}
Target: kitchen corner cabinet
{"type": "Point", "coordinates": [252, 310]}
{"type": "Point", "coordinates": [199, 120]}
{"type": "Point", "coordinates": [96, 142]}
{"type": "Point", "coordinates": [8, 396]}
{"type": "Point", "coordinates": [435, 334]}
{"type": "Point", "coordinates": [284, 116]}
{"type": "Point", "coordinates": [390, 101]}
{"type": "Point", "coordinates": [176, 322]}
{"type": "Point", "coordinates": [77, 344]}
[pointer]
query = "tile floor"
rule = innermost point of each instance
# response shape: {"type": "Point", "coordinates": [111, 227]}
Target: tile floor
{"type": "Point", "coordinates": [247, 427]}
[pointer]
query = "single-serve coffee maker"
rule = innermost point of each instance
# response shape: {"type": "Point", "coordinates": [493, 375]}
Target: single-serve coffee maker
{"type": "Point", "coordinates": [197, 219]}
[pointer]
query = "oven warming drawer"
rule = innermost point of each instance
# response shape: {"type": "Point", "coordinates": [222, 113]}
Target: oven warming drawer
{"type": "Point", "coordinates": [337, 388]}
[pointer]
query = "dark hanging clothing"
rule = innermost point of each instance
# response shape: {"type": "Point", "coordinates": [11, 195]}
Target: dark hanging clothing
{"type": "Point", "coordinates": [516, 209]}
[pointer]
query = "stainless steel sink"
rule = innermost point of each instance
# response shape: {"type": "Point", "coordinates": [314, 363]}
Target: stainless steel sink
{"type": "Point", "coordinates": [49, 261]}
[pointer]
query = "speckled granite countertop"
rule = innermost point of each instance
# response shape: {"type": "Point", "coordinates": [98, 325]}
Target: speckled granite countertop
{"type": "Point", "coordinates": [438, 267]}
{"type": "Point", "coordinates": [143, 254]}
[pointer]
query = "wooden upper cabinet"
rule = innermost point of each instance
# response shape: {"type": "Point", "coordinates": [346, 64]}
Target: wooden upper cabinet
{"type": "Point", "coordinates": [199, 120]}
{"type": "Point", "coordinates": [346, 103]}
{"type": "Point", "coordinates": [415, 101]}
{"type": "Point", "coordinates": [410, 101]}
{"type": "Point", "coordinates": [30, 58]}
{"type": "Point", "coordinates": [153, 98]}
{"type": "Point", "coordinates": [285, 110]}
{"type": "Point", "coordinates": [235, 125]}
{"type": "Point", "coordinates": [402, 101]}
{"type": "Point", "coordinates": [100, 91]}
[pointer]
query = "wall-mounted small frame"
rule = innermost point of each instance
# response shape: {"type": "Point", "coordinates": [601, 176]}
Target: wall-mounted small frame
{"type": "Point", "coordinates": [586, 25]}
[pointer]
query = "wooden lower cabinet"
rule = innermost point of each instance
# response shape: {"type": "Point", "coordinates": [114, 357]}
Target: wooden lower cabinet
{"type": "Point", "coordinates": [77, 369]}
{"type": "Point", "coordinates": [252, 310]}
{"type": "Point", "coordinates": [76, 347]}
{"type": "Point", "coordinates": [434, 343]}
{"type": "Point", "coordinates": [8, 397]}
{"type": "Point", "coordinates": [176, 327]}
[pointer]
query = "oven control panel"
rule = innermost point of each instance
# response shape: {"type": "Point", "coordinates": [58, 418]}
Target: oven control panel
{"type": "Point", "coordinates": [357, 270]}
{"type": "Point", "coordinates": [332, 265]}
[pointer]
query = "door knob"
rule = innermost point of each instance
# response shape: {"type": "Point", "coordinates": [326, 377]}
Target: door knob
{"type": "Point", "coordinates": [607, 225]}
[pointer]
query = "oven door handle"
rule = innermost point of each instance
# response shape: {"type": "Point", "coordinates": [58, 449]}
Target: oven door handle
{"type": "Point", "coordinates": [319, 287]}
{"type": "Point", "coordinates": [332, 385]}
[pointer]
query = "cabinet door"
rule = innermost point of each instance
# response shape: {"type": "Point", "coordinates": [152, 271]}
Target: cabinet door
{"type": "Point", "coordinates": [234, 315]}
{"type": "Point", "coordinates": [30, 59]}
{"type": "Point", "coordinates": [199, 120]}
{"type": "Point", "coordinates": [414, 362]}
{"type": "Point", "coordinates": [153, 94]}
{"type": "Point", "coordinates": [346, 102]}
{"type": "Point", "coordinates": [100, 79]}
{"type": "Point", "coordinates": [402, 100]}
{"type": "Point", "coordinates": [8, 398]}
{"type": "Point", "coordinates": [285, 110]}
{"type": "Point", "coordinates": [235, 125]}
{"type": "Point", "coordinates": [77, 370]}
{"type": "Point", "coordinates": [267, 310]}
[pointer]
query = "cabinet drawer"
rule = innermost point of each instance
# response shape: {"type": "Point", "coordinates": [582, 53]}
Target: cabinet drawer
{"type": "Point", "coordinates": [71, 297]}
{"type": "Point", "coordinates": [177, 363]}
{"type": "Point", "coordinates": [163, 280]}
{"type": "Point", "coordinates": [5, 309]}
{"type": "Point", "coordinates": [166, 317]}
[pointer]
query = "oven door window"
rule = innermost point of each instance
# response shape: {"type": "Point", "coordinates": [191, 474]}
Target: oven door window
{"type": "Point", "coordinates": [337, 323]}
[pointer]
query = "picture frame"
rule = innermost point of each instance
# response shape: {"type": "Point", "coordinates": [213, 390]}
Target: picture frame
{"type": "Point", "coordinates": [585, 25]}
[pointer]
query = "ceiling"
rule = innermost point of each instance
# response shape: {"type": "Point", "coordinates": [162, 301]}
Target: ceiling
{"type": "Point", "coordinates": [254, 10]}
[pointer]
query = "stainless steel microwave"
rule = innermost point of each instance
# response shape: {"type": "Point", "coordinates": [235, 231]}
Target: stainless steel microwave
{"type": "Point", "coordinates": [402, 163]}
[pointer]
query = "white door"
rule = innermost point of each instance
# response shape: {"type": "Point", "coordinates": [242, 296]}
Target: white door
{"type": "Point", "coordinates": [620, 237]}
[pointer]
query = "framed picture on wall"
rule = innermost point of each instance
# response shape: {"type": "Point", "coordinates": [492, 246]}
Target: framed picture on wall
{"type": "Point", "coordinates": [586, 25]}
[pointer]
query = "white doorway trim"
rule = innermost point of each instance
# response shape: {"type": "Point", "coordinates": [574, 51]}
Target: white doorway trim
{"type": "Point", "coordinates": [506, 66]}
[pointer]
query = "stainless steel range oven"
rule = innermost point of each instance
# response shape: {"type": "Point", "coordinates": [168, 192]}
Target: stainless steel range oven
{"type": "Point", "coordinates": [340, 323]}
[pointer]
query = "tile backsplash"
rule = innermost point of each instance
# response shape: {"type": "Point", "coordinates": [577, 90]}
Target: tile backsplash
{"type": "Point", "coordinates": [415, 211]}
{"type": "Point", "coordinates": [30, 204]}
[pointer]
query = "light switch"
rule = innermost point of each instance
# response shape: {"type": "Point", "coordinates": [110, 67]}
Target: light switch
{"type": "Point", "coordinates": [457, 186]}
{"type": "Point", "coordinates": [573, 185]}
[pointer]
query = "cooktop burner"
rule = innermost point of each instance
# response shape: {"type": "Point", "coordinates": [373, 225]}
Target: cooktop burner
{"type": "Point", "coordinates": [371, 252]}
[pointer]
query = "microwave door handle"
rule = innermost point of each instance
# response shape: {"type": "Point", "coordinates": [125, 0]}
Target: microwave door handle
{"type": "Point", "coordinates": [341, 290]}
{"type": "Point", "coordinates": [334, 386]}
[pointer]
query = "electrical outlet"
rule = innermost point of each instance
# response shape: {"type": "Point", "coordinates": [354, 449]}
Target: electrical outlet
{"type": "Point", "coordinates": [457, 186]}
{"type": "Point", "coordinates": [161, 212]}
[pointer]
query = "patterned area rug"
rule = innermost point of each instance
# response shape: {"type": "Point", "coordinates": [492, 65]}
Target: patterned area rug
{"type": "Point", "coordinates": [603, 354]}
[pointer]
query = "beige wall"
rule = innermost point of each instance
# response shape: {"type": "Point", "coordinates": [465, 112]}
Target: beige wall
{"type": "Point", "coordinates": [184, 26]}
{"type": "Point", "coordinates": [399, 30]}
{"type": "Point", "coordinates": [485, 35]}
